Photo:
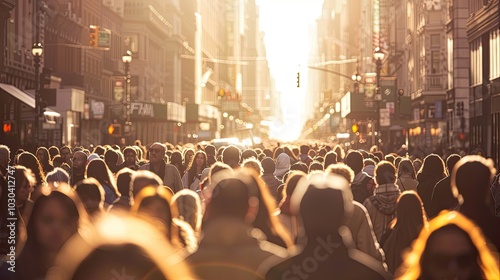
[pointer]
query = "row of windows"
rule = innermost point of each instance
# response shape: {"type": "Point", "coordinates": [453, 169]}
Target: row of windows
{"type": "Point", "coordinates": [495, 54]}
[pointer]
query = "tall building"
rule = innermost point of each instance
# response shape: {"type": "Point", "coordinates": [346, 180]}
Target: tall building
{"type": "Point", "coordinates": [483, 35]}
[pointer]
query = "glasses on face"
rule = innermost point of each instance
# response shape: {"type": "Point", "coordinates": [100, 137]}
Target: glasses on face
{"type": "Point", "coordinates": [158, 150]}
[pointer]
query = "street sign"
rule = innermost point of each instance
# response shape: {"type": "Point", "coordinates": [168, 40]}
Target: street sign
{"type": "Point", "coordinates": [104, 37]}
{"type": "Point", "coordinates": [385, 117]}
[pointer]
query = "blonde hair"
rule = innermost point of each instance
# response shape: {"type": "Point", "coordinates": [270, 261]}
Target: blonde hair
{"type": "Point", "coordinates": [411, 267]}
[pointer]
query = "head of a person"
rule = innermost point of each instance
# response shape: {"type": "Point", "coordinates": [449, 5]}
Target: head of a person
{"type": "Point", "coordinates": [57, 161]}
{"type": "Point", "coordinates": [143, 178]}
{"type": "Point", "coordinates": [99, 150]}
{"type": "Point", "coordinates": [55, 218]}
{"type": "Point", "coordinates": [304, 149]}
{"type": "Point", "coordinates": [341, 169]}
{"type": "Point", "coordinates": [233, 197]}
{"type": "Point", "coordinates": [471, 180]}
{"type": "Point", "coordinates": [156, 204]}
{"type": "Point", "coordinates": [157, 152]}
{"type": "Point", "coordinates": [417, 165]}
{"type": "Point", "coordinates": [176, 158]}
{"type": "Point", "coordinates": [111, 157]}
{"type": "Point", "coordinates": [354, 160]}
{"type": "Point", "coordinates": [406, 168]}
{"type": "Point", "coordinates": [300, 166]}
{"type": "Point", "coordinates": [288, 189]}
{"type": "Point", "coordinates": [138, 251]}
{"type": "Point", "coordinates": [452, 248]}
{"type": "Point", "coordinates": [253, 164]}
{"type": "Point", "coordinates": [80, 161]}
{"type": "Point", "coordinates": [451, 160]}
{"type": "Point", "coordinates": [130, 156]}
{"type": "Point", "coordinates": [53, 151]}
{"type": "Point", "coordinates": [432, 167]}
{"type": "Point", "coordinates": [98, 169]}
{"type": "Point", "coordinates": [315, 166]}
{"type": "Point", "coordinates": [385, 173]}
{"type": "Point", "coordinates": [187, 154]}
{"type": "Point", "coordinates": [57, 176]}
{"type": "Point", "coordinates": [66, 154]}
{"type": "Point", "coordinates": [390, 158]}
{"type": "Point", "coordinates": [24, 182]}
{"type": "Point", "coordinates": [91, 193]}
{"type": "Point", "coordinates": [410, 212]}
{"type": "Point", "coordinates": [322, 202]}
{"type": "Point", "coordinates": [340, 152]}
{"type": "Point", "coordinates": [231, 156]}
{"type": "Point", "coordinates": [29, 161]}
{"type": "Point", "coordinates": [199, 160]}
{"type": "Point", "coordinates": [330, 158]}
{"type": "Point", "coordinates": [123, 179]}
{"type": "Point", "coordinates": [4, 155]}
{"type": "Point", "coordinates": [189, 208]}
{"type": "Point", "coordinates": [268, 165]}
{"type": "Point", "coordinates": [43, 156]}
{"type": "Point", "coordinates": [248, 153]}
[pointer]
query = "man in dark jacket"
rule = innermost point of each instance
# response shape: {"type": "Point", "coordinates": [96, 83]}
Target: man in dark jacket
{"type": "Point", "coordinates": [442, 197]}
{"type": "Point", "coordinates": [359, 186]}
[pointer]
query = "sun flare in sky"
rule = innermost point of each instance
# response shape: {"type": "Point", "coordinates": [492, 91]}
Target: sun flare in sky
{"type": "Point", "coordinates": [287, 25]}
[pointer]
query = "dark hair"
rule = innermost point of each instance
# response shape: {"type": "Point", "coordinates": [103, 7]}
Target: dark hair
{"type": "Point", "coordinates": [53, 151]}
{"type": "Point", "coordinates": [433, 167]}
{"type": "Point", "coordinates": [451, 160]}
{"type": "Point", "coordinates": [231, 156]}
{"type": "Point", "coordinates": [98, 169]}
{"type": "Point", "coordinates": [47, 162]}
{"type": "Point", "coordinates": [385, 173]}
{"type": "Point", "coordinates": [300, 166]}
{"type": "Point", "coordinates": [123, 178]}
{"type": "Point", "coordinates": [90, 189]}
{"type": "Point", "coordinates": [29, 161]}
{"type": "Point", "coordinates": [315, 166]}
{"type": "Point", "coordinates": [192, 169]}
{"type": "Point", "coordinates": [330, 158]}
{"type": "Point", "coordinates": [354, 160]}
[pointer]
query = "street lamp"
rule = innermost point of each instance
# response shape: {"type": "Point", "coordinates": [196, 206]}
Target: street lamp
{"type": "Point", "coordinates": [378, 55]}
{"type": "Point", "coordinates": [37, 51]}
{"type": "Point", "coordinates": [127, 58]}
{"type": "Point", "coordinates": [356, 77]}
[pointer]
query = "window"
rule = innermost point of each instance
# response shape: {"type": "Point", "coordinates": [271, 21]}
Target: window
{"type": "Point", "coordinates": [476, 62]}
{"type": "Point", "coordinates": [435, 40]}
{"type": "Point", "coordinates": [435, 62]}
{"type": "Point", "coordinates": [450, 61]}
{"type": "Point", "coordinates": [495, 54]}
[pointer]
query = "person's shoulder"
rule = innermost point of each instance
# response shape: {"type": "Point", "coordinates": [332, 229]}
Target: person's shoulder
{"type": "Point", "coordinates": [374, 268]}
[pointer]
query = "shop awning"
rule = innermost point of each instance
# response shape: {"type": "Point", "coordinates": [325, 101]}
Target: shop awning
{"type": "Point", "coordinates": [25, 97]}
{"type": "Point", "coordinates": [19, 94]}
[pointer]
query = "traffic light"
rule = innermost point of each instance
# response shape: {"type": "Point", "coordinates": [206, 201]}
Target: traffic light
{"type": "Point", "coordinates": [115, 130]}
{"type": "Point", "coordinates": [298, 79]}
{"type": "Point", "coordinates": [45, 76]}
{"type": "Point", "coordinates": [354, 128]}
{"type": "Point", "coordinates": [460, 109]}
{"type": "Point", "coordinates": [93, 36]}
{"type": "Point", "coordinates": [9, 127]}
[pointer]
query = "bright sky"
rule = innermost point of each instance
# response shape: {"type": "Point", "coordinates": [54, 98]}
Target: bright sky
{"type": "Point", "coordinates": [287, 24]}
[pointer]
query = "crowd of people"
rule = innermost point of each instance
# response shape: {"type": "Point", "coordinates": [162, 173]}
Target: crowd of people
{"type": "Point", "coordinates": [283, 212]}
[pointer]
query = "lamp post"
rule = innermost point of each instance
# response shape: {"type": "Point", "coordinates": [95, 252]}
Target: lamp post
{"type": "Point", "coordinates": [37, 51]}
{"type": "Point", "coordinates": [378, 55]}
{"type": "Point", "coordinates": [127, 58]}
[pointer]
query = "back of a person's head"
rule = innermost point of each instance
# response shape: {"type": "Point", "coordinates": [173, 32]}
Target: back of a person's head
{"type": "Point", "coordinates": [300, 166]}
{"type": "Point", "coordinates": [100, 150]}
{"type": "Point", "coordinates": [390, 158]}
{"type": "Point", "coordinates": [409, 210]}
{"type": "Point", "coordinates": [91, 193]}
{"type": "Point", "coordinates": [268, 165]}
{"type": "Point", "coordinates": [433, 166]}
{"type": "Point", "coordinates": [230, 198]}
{"type": "Point", "coordinates": [231, 156]}
{"type": "Point", "coordinates": [144, 178]}
{"type": "Point", "coordinates": [58, 175]}
{"type": "Point", "coordinates": [304, 149]}
{"type": "Point", "coordinates": [451, 160]}
{"type": "Point", "coordinates": [53, 151]}
{"type": "Point", "coordinates": [322, 202]}
{"type": "Point", "coordinates": [291, 182]}
{"type": "Point", "coordinates": [341, 169]}
{"type": "Point", "coordinates": [354, 160]}
{"type": "Point", "coordinates": [471, 179]}
{"type": "Point", "coordinates": [253, 164]}
{"type": "Point", "coordinates": [189, 206]}
{"type": "Point", "coordinates": [210, 150]}
{"type": "Point", "coordinates": [385, 173]}
{"type": "Point", "coordinates": [315, 166]}
{"type": "Point", "coordinates": [330, 158]}
{"type": "Point", "coordinates": [406, 167]}
{"type": "Point", "coordinates": [123, 179]}
{"type": "Point", "coordinates": [111, 156]}
{"type": "Point", "coordinates": [248, 153]}
{"type": "Point", "coordinates": [425, 262]}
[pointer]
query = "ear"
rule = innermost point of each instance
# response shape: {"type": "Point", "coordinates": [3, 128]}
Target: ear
{"type": "Point", "coordinates": [253, 209]}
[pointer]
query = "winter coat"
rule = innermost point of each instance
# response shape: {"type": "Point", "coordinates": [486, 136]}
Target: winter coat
{"type": "Point", "coordinates": [272, 183]}
{"type": "Point", "coordinates": [381, 207]}
{"type": "Point", "coordinates": [172, 178]}
{"type": "Point", "coordinates": [406, 183]}
{"type": "Point", "coordinates": [362, 232]}
{"type": "Point", "coordinates": [442, 198]}
{"type": "Point", "coordinates": [359, 187]}
{"type": "Point", "coordinates": [425, 188]}
{"type": "Point", "coordinates": [229, 251]}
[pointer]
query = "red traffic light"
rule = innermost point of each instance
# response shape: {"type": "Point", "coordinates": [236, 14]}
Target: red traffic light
{"type": "Point", "coordinates": [462, 136]}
